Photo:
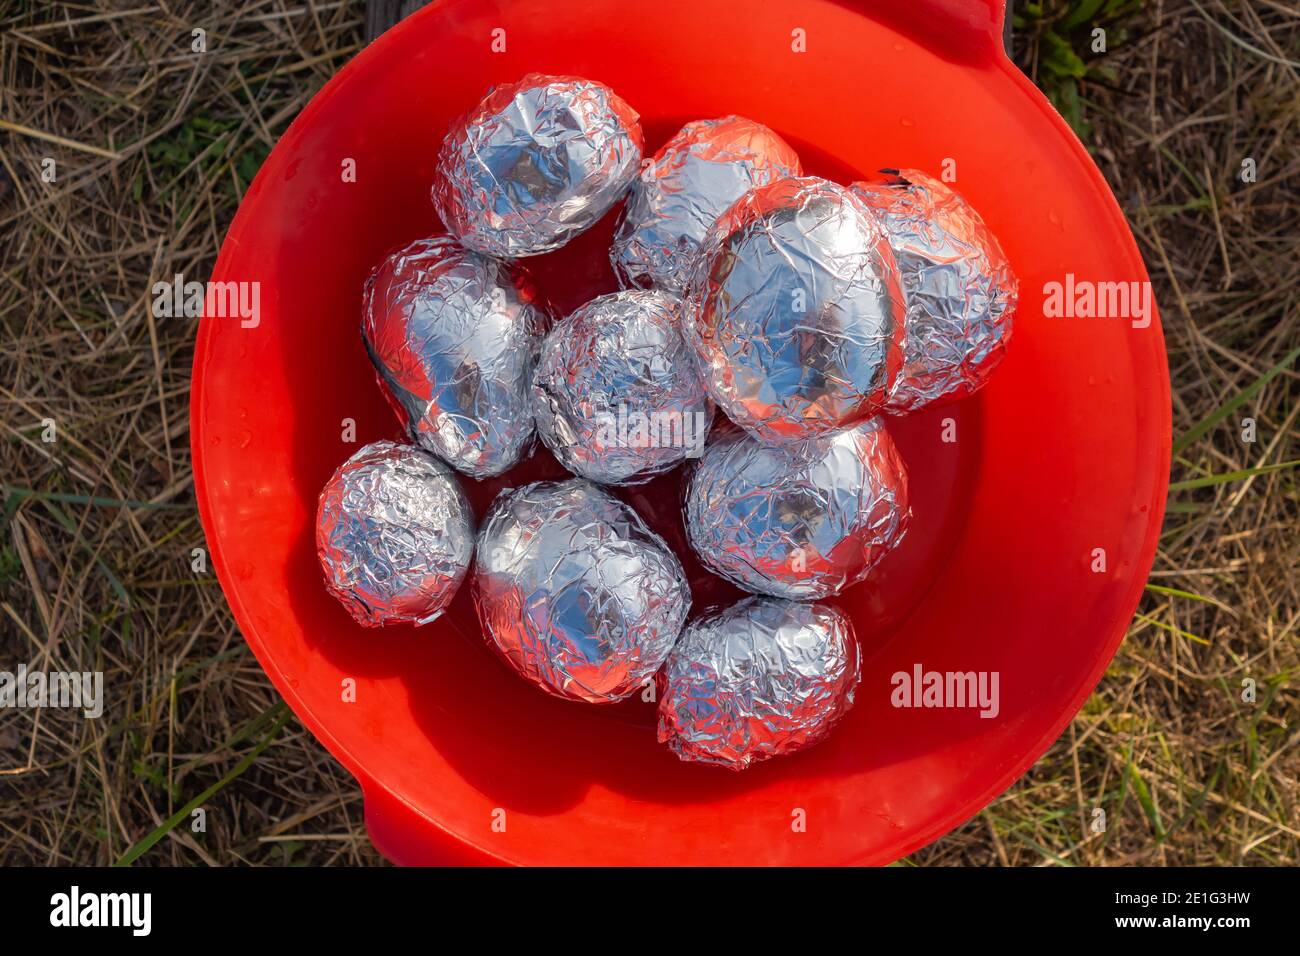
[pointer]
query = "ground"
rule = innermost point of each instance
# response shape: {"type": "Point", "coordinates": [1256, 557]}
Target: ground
{"type": "Point", "coordinates": [1191, 112]}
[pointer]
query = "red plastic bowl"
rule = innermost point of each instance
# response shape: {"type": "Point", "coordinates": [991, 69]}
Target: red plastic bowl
{"type": "Point", "coordinates": [1066, 451]}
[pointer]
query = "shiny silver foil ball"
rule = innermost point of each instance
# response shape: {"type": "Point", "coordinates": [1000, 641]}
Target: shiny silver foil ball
{"type": "Point", "coordinates": [801, 520]}
{"type": "Point", "coordinates": [536, 163]}
{"type": "Point", "coordinates": [575, 592]}
{"type": "Point", "coordinates": [617, 396]}
{"type": "Point", "coordinates": [795, 310]}
{"type": "Point", "coordinates": [684, 188]}
{"type": "Point", "coordinates": [394, 535]}
{"type": "Point", "coordinates": [454, 336]}
{"type": "Point", "coordinates": [961, 293]}
{"type": "Point", "coordinates": [760, 679]}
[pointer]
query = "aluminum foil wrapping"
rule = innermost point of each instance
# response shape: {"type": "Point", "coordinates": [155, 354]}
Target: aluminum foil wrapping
{"type": "Point", "coordinates": [684, 188]}
{"type": "Point", "coordinates": [795, 310]}
{"type": "Point", "coordinates": [800, 520]}
{"type": "Point", "coordinates": [394, 534]}
{"type": "Point", "coordinates": [760, 679]}
{"type": "Point", "coordinates": [960, 290]}
{"type": "Point", "coordinates": [617, 396]}
{"type": "Point", "coordinates": [536, 163]}
{"type": "Point", "coordinates": [575, 592]}
{"type": "Point", "coordinates": [454, 337]}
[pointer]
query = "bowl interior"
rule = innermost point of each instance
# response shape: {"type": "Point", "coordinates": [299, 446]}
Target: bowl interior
{"type": "Point", "coordinates": [1065, 452]}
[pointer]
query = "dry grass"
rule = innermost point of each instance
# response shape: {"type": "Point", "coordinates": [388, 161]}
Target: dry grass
{"type": "Point", "coordinates": [153, 149]}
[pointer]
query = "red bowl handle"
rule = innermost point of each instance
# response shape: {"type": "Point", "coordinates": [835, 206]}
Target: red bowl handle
{"type": "Point", "coordinates": [963, 31]}
{"type": "Point", "coordinates": [408, 838]}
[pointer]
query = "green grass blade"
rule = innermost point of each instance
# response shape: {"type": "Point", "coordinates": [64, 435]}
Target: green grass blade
{"type": "Point", "coordinates": [1085, 11]}
{"type": "Point", "coordinates": [1169, 627]}
{"type": "Point", "coordinates": [1228, 407]}
{"type": "Point", "coordinates": [189, 670]}
{"type": "Point", "coordinates": [70, 526]}
{"type": "Point", "coordinates": [1148, 804]}
{"type": "Point", "coordinates": [21, 493]}
{"type": "Point", "coordinates": [1198, 801]}
{"type": "Point", "coordinates": [1042, 850]}
{"type": "Point", "coordinates": [143, 846]}
{"type": "Point", "coordinates": [1210, 480]}
{"type": "Point", "coordinates": [1191, 596]}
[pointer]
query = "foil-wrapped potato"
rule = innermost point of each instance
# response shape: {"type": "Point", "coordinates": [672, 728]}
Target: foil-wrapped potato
{"type": "Point", "coordinates": [535, 163]}
{"type": "Point", "coordinates": [454, 336]}
{"type": "Point", "coordinates": [801, 520]}
{"type": "Point", "coordinates": [394, 535]}
{"type": "Point", "coordinates": [684, 188]}
{"type": "Point", "coordinates": [795, 310]}
{"type": "Point", "coordinates": [573, 590]}
{"type": "Point", "coordinates": [760, 679]}
{"type": "Point", "coordinates": [961, 293]}
{"type": "Point", "coordinates": [617, 396]}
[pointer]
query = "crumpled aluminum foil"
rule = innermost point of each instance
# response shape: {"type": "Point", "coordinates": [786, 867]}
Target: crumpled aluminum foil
{"type": "Point", "coordinates": [795, 310]}
{"type": "Point", "coordinates": [575, 592]}
{"type": "Point", "coordinates": [394, 535]}
{"type": "Point", "coordinates": [454, 336]}
{"type": "Point", "coordinates": [536, 163]}
{"type": "Point", "coordinates": [617, 396]}
{"type": "Point", "coordinates": [760, 679]}
{"type": "Point", "coordinates": [961, 293]}
{"type": "Point", "coordinates": [684, 188]}
{"type": "Point", "coordinates": [801, 520]}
